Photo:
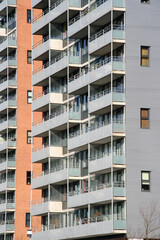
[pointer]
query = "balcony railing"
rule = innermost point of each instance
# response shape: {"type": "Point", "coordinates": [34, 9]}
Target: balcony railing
{"type": "Point", "coordinates": [93, 127]}
{"type": "Point", "coordinates": [96, 66]}
{"type": "Point", "coordinates": [100, 94]}
{"type": "Point", "coordinates": [98, 156]}
{"type": "Point", "coordinates": [86, 11]}
{"type": "Point", "coordinates": [43, 146]}
{"type": "Point", "coordinates": [105, 92]}
{"type": "Point", "coordinates": [45, 39]}
{"type": "Point", "coordinates": [105, 30]}
{"type": "Point", "coordinates": [39, 95]}
{"type": "Point", "coordinates": [79, 221]}
{"type": "Point", "coordinates": [55, 169]}
{"type": "Point", "coordinates": [47, 10]}
{"type": "Point", "coordinates": [53, 60]}
{"type": "Point", "coordinates": [48, 117]}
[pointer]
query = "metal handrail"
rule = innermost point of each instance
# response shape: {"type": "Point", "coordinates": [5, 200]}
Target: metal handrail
{"type": "Point", "coordinates": [47, 10]}
{"type": "Point", "coordinates": [45, 39]}
{"type": "Point", "coordinates": [105, 30]}
{"type": "Point", "coordinates": [55, 114]}
{"type": "Point", "coordinates": [94, 126]}
{"type": "Point", "coordinates": [105, 92]}
{"type": "Point", "coordinates": [40, 147]}
{"type": "Point", "coordinates": [79, 221]}
{"type": "Point", "coordinates": [95, 66]}
{"type": "Point", "coordinates": [39, 95]}
{"type": "Point", "coordinates": [86, 11]}
{"type": "Point", "coordinates": [47, 64]}
{"type": "Point", "coordinates": [100, 94]}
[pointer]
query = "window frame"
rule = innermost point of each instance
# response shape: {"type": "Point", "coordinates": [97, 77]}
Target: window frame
{"type": "Point", "coordinates": [29, 16]}
{"type": "Point", "coordinates": [29, 96]}
{"type": "Point", "coordinates": [149, 181]}
{"type": "Point", "coordinates": [28, 178]}
{"type": "Point", "coordinates": [29, 137]}
{"type": "Point", "coordinates": [29, 56]}
{"type": "Point", "coordinates": [145, 56]}
{"type": "Point", "coordinates": [27, 222]}
{"type": "Point", "coordinates": [145, 118]}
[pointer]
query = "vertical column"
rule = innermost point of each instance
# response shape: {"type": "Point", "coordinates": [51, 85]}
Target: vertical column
{"type": "Point", "coordinates": [112, 180]}
{"type": "Point", "coordinates": [67, 29]}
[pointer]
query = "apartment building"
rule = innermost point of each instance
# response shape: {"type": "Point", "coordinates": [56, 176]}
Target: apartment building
{"type": "Point", "coordinates": [15, 118]}
{"type": "Point", "coordinates": [95, 154]}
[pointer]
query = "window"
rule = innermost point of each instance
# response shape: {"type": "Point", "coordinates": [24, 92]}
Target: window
{"type": "Point", "coordinates": [28, 16]}
{"type": "Point", "coordinates": [145, 1]}
{"type": "Point", "coordinates": [29, 56]}
{"type": "Point", "coordinates": [28, 178]}
{"type": "Point", "coordinates": [29, 96]}
{"type": "Point", "coordinates": [27, 219]}
{"type": "Point", "coordinates": [144, 118]}
{"type": "Point", "coordinates": [29, 137]}
{"type": "Point", "coordinates": [145, 56]}
{"type": "Point", "coordinates": [145, 181]}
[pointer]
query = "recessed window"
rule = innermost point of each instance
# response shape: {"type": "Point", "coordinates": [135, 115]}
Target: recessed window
{"type": "Point", "coordinates": [145, 56]}
{"type": "Point", "coordinates": [145, 1]}
{"type": "Point", "coordinates": [29, 137]}
{"type": "Point", "coordinates": [28, 178]}
{"type": "Point", "coordinates": [144, 118]}
{"type": "Point", "coordinates": [27, 219]}
{"type": "Point", "coordinates": [145, 181]}
{"type": "Point", "coordinates": [28, 16]}
{"type": "Point", "coordinates": [29, 96]}
{"type": "Point", "coordinates": [29, 56]}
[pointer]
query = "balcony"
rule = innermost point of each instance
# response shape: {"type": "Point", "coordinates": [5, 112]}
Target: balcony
{"type": "Point", "coordinates": [89, 15]}
{"type": "Point", "coordinates": [119, 158]}
{"type": "Point", "coordinates": [104, 37]}
{"type": "Point", "coordinates": [7, 205]}
{"type": "Point", "coordinates": [44, 206]}
{"type": "Point", "coordinates": [43, 99]}
{"type": "Point", "coordinates": [45, 45]}
{"type": "Point", "coordinates": [100, 100]}
{"type": "Point", "coordinates": [78, 81]}
{"type": "Point", "coordinates": [118, 127]}
{"type": "Point", "coordinates": [10, 183]}
{"type": "Point", "coordinates": [78, 139]}
{"type": "Point", "coordinates": [55, 120]}
{"type": "Point", "coordinates": [95, 194]}
{"type": "Point", "coordinates": [11, 163]}
{"type": "Point", "coordinates": [44, 151]}
{"type": "Point", "coordinates": [119, 3]}
{"type": "Point", "coordinates": [4, 103]}
{"type": "Point", "coordinates": [97, 131]}
{"type": "Point", "coordinates": [4, 123]}
{"type": "Point", "coordinates": [7, 226]}
{"type": "Point", "coordinates": [48, 15]}
{"type": "Point", "coordinates": [5, 83]}
{"type": "Point", "coordinates": [52, 176]}
{"type": "Point", "coordinates": [57, 64]}
{"type": "Point", "coordinates": [92, 195]}
{"type": "Point", "coordinates": [81, 228]}
{"type": "Point", "coordinates": [99, 162]}
{"type": "Point", "coordinates": [119, 189]}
